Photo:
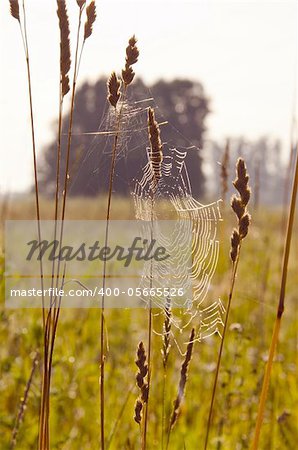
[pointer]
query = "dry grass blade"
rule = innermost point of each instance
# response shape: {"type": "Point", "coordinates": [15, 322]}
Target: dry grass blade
{"type": "Point", "coordinates": [239, 205]}
{"type": "Point", "coordinates": [182, 384]}
{"type": "Point", "coordinates": [132, 54]}
{"type": "Point", "coordinates": [156, 155]}
{"type": "Point", "coordinates": [114, 89]}
{"type": "Point", "coordinates": [15, 9]}
{"type": "Point", "coordinates": [65, 60]}
{"type": "Point", "coordinates": [280, 310]}
{"type": "Point", "coordinates": [91, 16]}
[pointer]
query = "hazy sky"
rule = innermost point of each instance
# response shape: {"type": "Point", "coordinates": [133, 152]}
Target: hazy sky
{"type": "Point", "coordinates": [244, 53]}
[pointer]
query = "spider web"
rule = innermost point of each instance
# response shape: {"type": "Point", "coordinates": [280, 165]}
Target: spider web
{"type": "Point", "coordinates": [192, 219]}
{"type": "Point", "coordinates": [129, 122]}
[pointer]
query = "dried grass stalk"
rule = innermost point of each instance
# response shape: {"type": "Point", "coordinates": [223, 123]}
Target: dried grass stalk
{"type": "Point", "coordinates": [15, 9]}
{"type": "Point", "coordinates": [113, 89]}
{"type": "Point", "coordinates": [156, 155]}
{"type": "Point", "coordinates": [132, 54]}
{"type": "Point", "coordinates": [239, 205]}
{"type": "Point", "coordinates": [155, 142]}
{"type": "Point", "coordinates": [113, 97]}
{"type": "Point", "coordinates": [65, 59]}
{"type": "Point", "coordinates": [91, 16]}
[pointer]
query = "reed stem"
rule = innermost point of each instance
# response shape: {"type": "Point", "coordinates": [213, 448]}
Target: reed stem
{"type": "Point", "coordinates": [102, 321]}
{"type": "Point", "coordinates": [34, 153]}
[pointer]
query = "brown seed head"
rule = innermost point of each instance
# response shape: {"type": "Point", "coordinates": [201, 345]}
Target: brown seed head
{"type": "Point", "coordinates": [145, 393]}
{"type": "Point", "coordinates": [138, 411]}
{"type": "Point", "coordinates": [113, 89]}
{"type": "Point", "coordinates": [81, 3]}
{"type": "Point", "coordinates": [132, 54]}
{"type": "Point", "coordinates": [15, 9]}
{"type": "Point", "coordinates": [141, 376]}
{"type": "Point", "coordinates": [91, 16]}
{"type": "Point", "coordinates": [237, 206]}
{"type": "Point", "coordinates": [241, 181]}
{"type": "Point", "coordinates": [65, 60]}
{"type": "Point", "coordinates": [65, 85]}
{"type": "Point", "coordinates": [156, 155]}
{"type": "Point", "coordinates": [243, 225]}
{"type": "Point", "coordinates": [235, 241]}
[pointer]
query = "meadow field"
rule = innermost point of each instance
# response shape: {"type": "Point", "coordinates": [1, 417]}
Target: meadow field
{"type": "Point", "coordinates": [75, 383]}
{"type": "Point", "coordinates": [214, 367]}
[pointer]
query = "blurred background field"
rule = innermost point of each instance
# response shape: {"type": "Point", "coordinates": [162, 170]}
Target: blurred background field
{"type": "Point", "coordinates": [75, 389]}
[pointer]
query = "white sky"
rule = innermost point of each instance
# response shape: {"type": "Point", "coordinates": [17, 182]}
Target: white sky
{"type": "Point", "coordinates": [244, 53]}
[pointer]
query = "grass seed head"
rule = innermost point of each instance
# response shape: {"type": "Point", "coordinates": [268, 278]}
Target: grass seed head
{"type": "Point", "coordinates": [15, 9]}
{"type": "Point", "coordinates": [81, 3]}
{"type": "Point", "coordinates": [239, 205]}
{"type": "Point", "coordinates": [141, 380]}
{"type": "Point", "coordinates": [241, 181]}
{"type": "Point", "coordinates": [113, 89]}
{"type": "Point", "coordinates": [243, 225]}
{"type": "Point", "coordinates": [138, 411]}
{"type": "Point", "coordinates": [91, 16]}
{"type": "Point", "coordinates": [65, 58]}
{"type": "Point", "coordinates": [132, 54]}
{"type": "Point", "coordinates": [235, 242]}
{"type": "Point", "coordinates": [156, 155]}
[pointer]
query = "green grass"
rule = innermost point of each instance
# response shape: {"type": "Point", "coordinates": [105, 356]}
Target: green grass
{"type": "Point", "coordinates": [75, 388]}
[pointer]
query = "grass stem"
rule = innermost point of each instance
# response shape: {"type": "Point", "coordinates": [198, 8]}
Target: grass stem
{"type": "Point", "coordinates": [280, 310]}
